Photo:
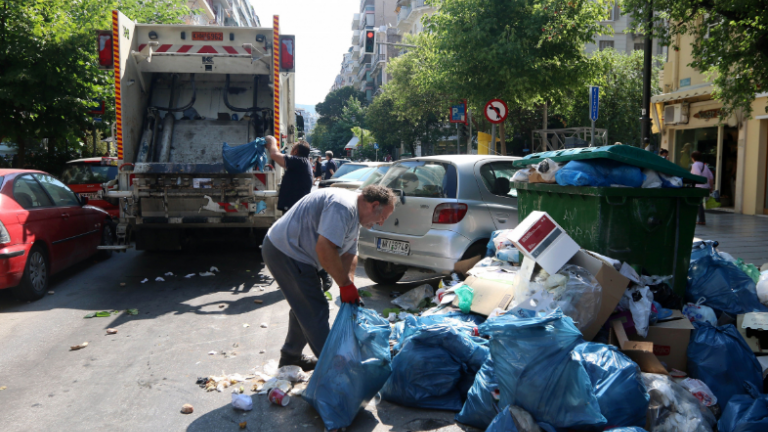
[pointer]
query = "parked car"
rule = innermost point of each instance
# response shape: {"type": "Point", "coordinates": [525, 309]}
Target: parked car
{"type": "Point", "coordinates": [346, 169]}
{"type": "Point", "coordinates": [339, 163]}
{"type": "Point", "coordinates": [44, 228]}
{"type": "Point", "coordinates": [449, 206]}
{"type": "Point", "coordinates": [85, 177]}
{"type": "Point", "coordinates": [356, 179]}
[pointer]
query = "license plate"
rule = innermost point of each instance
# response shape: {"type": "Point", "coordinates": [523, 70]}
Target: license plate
{"type": "Point", "coordinates": [393, 246]}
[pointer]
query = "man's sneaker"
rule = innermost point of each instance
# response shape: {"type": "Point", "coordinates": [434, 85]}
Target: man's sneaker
{"type": "Point", "coordinates": [327, 281]}
{"type": "Point", "coordinates": [305, 362]}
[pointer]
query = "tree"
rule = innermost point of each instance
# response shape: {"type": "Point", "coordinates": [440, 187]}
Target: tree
{"type": "Point", "coordinates": [331, 109]}
{"type": "Point", "coordinates": [620, 77]}
{"type": "Point", "coordinates": [390, 130]}
{"type": "Point", "coordinates": [731, 42]}
{"type": "Point", "coordinates": [365, 142]}
{"type": "Point", "coordinates": [48, 72]}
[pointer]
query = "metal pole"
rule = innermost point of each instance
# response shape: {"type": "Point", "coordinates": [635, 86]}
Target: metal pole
{"type": "Point", "coordinates": [647, 69]}
{"type": "Point", "coordinates": [469, 139]}
{"type": "Point", "coordinates": [458, 148]}
{"type": "Point", "coordinates": [493, 137]}
{"type": "Point", "coordinates": [593, 134]}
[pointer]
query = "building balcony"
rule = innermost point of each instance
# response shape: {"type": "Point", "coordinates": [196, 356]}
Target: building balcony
{"type": "Point", "coordinates": [410, 15]}
{"type": "Point", "coordinates": [356, 52]}
{"type": "Point", "coordinates": [355, 21]}
{"type": "Point", "coordinates": [356, 37]}
{"type": "Point", "coordinates": [361, 74]}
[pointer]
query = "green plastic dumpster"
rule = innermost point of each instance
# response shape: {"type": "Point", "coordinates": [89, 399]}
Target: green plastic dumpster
{"type": "Point", "coordinates": [650, 228]}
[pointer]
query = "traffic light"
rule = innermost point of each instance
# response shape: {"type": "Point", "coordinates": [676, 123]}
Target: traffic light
{"type": "Point", "coordinates": [370, 42]}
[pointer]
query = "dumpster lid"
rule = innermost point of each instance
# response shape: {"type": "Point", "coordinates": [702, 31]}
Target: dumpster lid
{"type": "Point", "coordinates": [621, 153]}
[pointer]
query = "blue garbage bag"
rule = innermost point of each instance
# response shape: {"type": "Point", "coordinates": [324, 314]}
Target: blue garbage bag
{"type": "Point", "coordinates": [725, 287]}
{"type": "Point", "coordinates": [721, 358]}
{"type": "Point", "coordinates": [745, 412]}
{"type": "Point", "coordinates": [240, 159]}
{"type": "Point", "coordinates": [433, 362]}
{"type": "Point", "coordinates": [626, 429]}
{"type": "Point", "coordinates": [354, 364]}
{"type": "Point", "coordinates": [617, 382]}
{"type": "Point", "coordinates": [464, 322]}
{"type": "Point", "coordinates": [599, 173]}
{"type": "Point", "coordinates": [505, 421]}
{"type": "Point", "coordinates": [534, 369]}
{"type": "Point", "coordinates": [481, 406]}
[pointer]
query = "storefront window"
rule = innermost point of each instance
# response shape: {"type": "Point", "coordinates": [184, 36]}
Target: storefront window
{"type": "Point", "coordinates": [703, 140]}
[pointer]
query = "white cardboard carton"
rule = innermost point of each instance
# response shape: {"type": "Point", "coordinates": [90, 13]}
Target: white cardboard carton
{"type": "Point", "coordinates": [540, 238]}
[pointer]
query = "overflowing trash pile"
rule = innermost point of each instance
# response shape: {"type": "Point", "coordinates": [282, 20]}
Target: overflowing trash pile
{"type": "Point", "coordinates": [560, 339]}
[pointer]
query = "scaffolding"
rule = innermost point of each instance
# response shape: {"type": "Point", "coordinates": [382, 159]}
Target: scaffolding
{"type": "Point", "coordinates": [558, 139]}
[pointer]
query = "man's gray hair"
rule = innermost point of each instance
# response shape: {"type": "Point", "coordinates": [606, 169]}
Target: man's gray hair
{"type": "Point", "coordinates": [376, 193]}
{"type": "Point", "coordinates": [329, 153]}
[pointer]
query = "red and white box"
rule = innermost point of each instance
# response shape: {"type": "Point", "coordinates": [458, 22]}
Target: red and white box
{"type": "Point", "coordinates": [541, 239]}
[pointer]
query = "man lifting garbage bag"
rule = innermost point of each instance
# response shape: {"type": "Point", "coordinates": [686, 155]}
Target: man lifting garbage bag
{"type": "Point", "coordinates": [354, 364]}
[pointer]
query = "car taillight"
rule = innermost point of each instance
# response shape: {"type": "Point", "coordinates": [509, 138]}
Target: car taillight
{"type": "Point", "coordinates": [449, 213]}
{"type": "Point", "coordinates": [4, 236]}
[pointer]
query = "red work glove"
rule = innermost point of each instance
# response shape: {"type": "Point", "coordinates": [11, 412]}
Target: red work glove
{"type": "Point", "coordinates": [349, 294]}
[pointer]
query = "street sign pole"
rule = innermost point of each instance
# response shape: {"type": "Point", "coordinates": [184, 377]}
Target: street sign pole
{"type": "Point", "coordinates": [469, 139]}
{"type": "Point", "coordinates": [458, 148]}
{"type": "Point", "coordinates": [493, 138]}
{"type": "Point", "coordinates": [593, 134]}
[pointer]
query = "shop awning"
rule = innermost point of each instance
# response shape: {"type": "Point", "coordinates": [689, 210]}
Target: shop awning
{"type": "Point", "coordinates": [352, 144]}
{"type": "Point", "coordinates": [684, 93]}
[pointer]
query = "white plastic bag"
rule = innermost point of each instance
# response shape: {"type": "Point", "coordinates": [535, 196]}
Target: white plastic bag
{"type": "Point", "coordinates": [242, 402]}
{"type": "Point", "coordinates": [414, 297]}
{"type": "Point", "coordinates": [674, 409]}
{"type": "Point", "coordinates": [652, 179]}
{"type": "Point", "coordinates": [548, 168]}
{"type": "Point", "coordinates": [762, 288]}
{"type": "Point", "coordinates": [698, 312]}
{"type": "Point", "coordinates": [672, 181]}
{"type": "Point", "coordinates": [521, 175]}
{"type": "Point", "coordinates": [699, 390]}
{"type": "Point", "coordinates": [639, 300]}
{"type": "Point", "coordinates": [293, 374]}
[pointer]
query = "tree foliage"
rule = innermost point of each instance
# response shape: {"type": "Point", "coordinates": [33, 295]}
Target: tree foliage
{"type": "Point", "coordinates": [48, 67]}
{"type": "Point", "coordinates": [332, 108]}
{"type": "Point", "coordinates": [731, 42]}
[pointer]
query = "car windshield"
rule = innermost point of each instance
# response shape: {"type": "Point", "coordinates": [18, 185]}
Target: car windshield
{"type": "Point", "coordinates": [356, 175]}
{"type": "Point", "coordinates": [422, 179]}
{"type": "Point", "coordinates": [85, 173]}
{"type": "Point", "coordinates": [376, 175]}
{"type": "Point", "coordinates": [346, 169]}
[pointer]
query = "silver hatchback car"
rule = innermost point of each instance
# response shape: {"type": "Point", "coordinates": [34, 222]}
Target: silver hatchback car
{"type": "Point", "coordinates": [449, 206]}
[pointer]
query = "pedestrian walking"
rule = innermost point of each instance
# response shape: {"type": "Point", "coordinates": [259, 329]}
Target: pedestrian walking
{"type": "Point", "coordinates": [330, 165]}
{"type": "Point", "coordinates": [297, 180]}
{"type": "Point", "coordinates": [320, 232]}
{"type": "Point", "coordinates": [664, 153]}
{"type": "Point", "coordinates": [701, 169]}
{"type": "Point", "coordinates": [318, 169]}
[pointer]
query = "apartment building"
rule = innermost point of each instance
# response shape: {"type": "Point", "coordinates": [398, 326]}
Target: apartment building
{"type": "Point", "coordinates": [688, 119]}
{"type": "Point", "coordinates": [231, 13]}
{"type": "Point", "coordinates": [622, 39]}
{"type": "Point", "coordinates": [409, 13]}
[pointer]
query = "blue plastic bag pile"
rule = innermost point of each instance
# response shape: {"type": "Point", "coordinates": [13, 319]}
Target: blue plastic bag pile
{"type": "Point", "coordinates": [240, 159]}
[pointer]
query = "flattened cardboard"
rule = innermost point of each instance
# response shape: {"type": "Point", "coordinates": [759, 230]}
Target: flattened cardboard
{"type": "Point", "coordinates": [488, 295]}
{"type": "Point", "coordinates": [753, 342]}
{"type": "Point", "coordinates": [613, 285]}
{"type": "Point", "coordinates": [670, 341]}
{"type": "Point", "coordinates": [640, 352]}
{"type": "Point", "coordinates": [463, 266]}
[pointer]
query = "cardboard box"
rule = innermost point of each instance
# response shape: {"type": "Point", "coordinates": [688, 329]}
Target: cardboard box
{"type": "Point", "coordinates": [488, 295]}
{"type": "Point", "coordinates": [640, 352]}
{"type": "Point", "coordinates": [613, 285]}
{"type": "Point", "coordinates": [758, 323]}
{"type": "Point", "coordinates": [670, 341]}
{"type": "Point", "coordinates": [540, 238]}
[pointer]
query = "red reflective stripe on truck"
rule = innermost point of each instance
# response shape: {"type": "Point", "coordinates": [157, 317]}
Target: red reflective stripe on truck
{"type": "Point", "coordinates": [230, 50]}
{"type": "Point", "coordinates": [118, 100]}
{"type": "Point", "coordinates": [276, 75]}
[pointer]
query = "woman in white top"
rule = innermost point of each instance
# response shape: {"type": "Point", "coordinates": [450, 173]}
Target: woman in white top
{"type": "Point", "coordinates": [700, 168]}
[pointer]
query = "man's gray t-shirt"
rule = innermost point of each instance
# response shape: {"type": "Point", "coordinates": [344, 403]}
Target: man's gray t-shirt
{"type": "Point", "coordinates": [330, 212]}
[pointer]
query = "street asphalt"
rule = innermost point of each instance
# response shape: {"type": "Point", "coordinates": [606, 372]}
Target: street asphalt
{"type": "Point", "coordinates": [139, 378]}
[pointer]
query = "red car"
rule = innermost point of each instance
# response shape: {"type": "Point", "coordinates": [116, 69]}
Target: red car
{"type": "Point", "coordinates": [44, 228]}
{"type": "Point", "coordinates": [85, 177]}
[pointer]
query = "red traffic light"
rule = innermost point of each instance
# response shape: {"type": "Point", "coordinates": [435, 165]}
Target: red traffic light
{"type": "Point", "coordinates": [370, 34]}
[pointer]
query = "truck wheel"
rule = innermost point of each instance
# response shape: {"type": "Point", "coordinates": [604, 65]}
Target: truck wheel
{"type": "Point", "coordinates": [383, 272]}
{"type": "Point", "coordinates": [34, 281]}
{"type": "Point", "coordinates": [107, 239]}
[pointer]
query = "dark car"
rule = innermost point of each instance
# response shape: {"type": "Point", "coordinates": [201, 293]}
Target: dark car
{"type": "Point", "coordinates": [44, 228]}
{"type": "Point", "coordinates": [346, 169]}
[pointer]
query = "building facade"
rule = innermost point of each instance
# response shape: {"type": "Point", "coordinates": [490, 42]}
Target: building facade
{"type": "Point", "coordinates": [231, 13]}
{"type": "Point", "coordinates": [622, 39]}
{"type": "Point", "coordinates": [736, 149]}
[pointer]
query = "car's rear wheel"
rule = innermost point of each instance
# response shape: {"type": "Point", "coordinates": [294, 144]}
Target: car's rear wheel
{"type": "Point", "coordinates": [34, 281]}
{"type": "Point", "coordinates": [383, 272]}
{"type": "Point", "coordinates": [107, 239]}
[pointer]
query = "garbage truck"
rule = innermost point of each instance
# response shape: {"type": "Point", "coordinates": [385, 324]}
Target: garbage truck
{"type": "Point", "coordinates": [181, 92]}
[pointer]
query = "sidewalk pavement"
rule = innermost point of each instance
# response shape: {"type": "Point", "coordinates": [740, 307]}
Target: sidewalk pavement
{"type": "Point", "coordinates": [742, 236]}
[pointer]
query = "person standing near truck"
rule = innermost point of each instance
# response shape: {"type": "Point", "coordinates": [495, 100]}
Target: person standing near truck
{"type": "Point", "coordinates": [319, 232]}
{"type": "Point", "coordinates": [330, 165]}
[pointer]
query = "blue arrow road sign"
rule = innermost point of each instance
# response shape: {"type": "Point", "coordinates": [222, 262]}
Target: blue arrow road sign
{"type": "Point", "coordinates": [594, 102]}
{"type": "Point", "coordinates": [375, 146]}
